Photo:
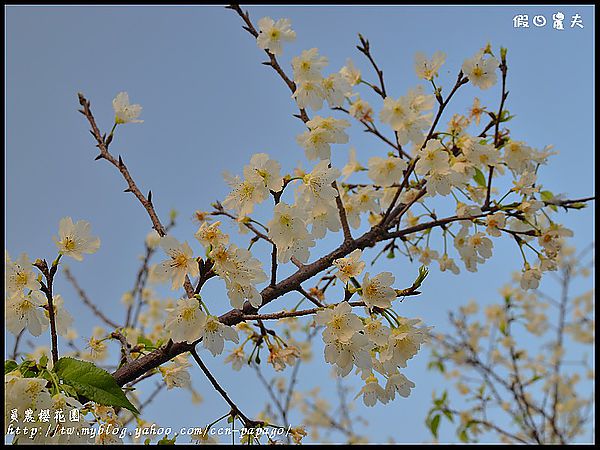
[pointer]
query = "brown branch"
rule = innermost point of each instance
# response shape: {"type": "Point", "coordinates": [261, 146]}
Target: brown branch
{"type": "Point", "coordinates": [366, 50]}
{"type": "Point", "coordinates": [249, 27]}
{"type": "Point", "coordinates": [234, 408]}
{"type": "Point", "coordinates": [566, 274]}
{"type": "Point", "coordinates": [219, 211]}
{"type": "Point", "coordinates": [157, 389]}
{"type": "Point", "coordinates": [86, 300]}
{"type": "Point", "coordinates": [306, 312]}
{"type": "Point", "coordinates": [342, 213]}
{"type": "Point", "coordinates": [138, 288]}
{"type": "Point", "coordinates": [434, 223]}
{"type": "Point", "coordinates": [567, 203]}
{"type": "Point", "coordinates": [497, 140]}
{"type": "Point", "coordinates": [310, 298]}
{"type": "Point", "coordinates": [303, 115]}
{"type": "Point", "coordinates": [125, 346]}
{"type": "Point", "coordinates": [46, 288]}
{"type": "Point", "coordinates": [388, 212]}
{"type": "Point", "coordinates": [460, 80]}
{"type": "Point", "coordinates": [269, 389]}
{"type": "Point", "coordinates": [295, 261]}
{"type": "Point", "coordinates": [335, 424]}
{"type": "Point", "coordinates": [376, 234]}
{"type": "Point", "coordinates": [146, 202]}
{"type": "Point", "coordinates": [518, 389]}
{"type": "Point", "coordinates": [206, 273]}
{"type": "Point", "coordinates": [140, 283]}
{"type": "Point", "coordinates": [276, 199]}
{"type": "Point", "coordinates": [371, 128]}
{"type": "Point", "coordinates": [15, 352]}
{"type": "Point", "coordinates": [274, 265]}
{"type": "Point", "coordinates": [118, 163]}
{"type": "Point", "coordinates": [490, 425]}
{"type": "Point", "coordinates": [270, 293]}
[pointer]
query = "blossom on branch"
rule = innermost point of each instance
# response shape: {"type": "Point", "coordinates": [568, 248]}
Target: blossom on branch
{"type": "Point", "coordinates": [272, 34]}
{"type": "Point", "coordinates": [481, 71]}
{"type": "Point", "coordinates": [26, 311]}
{"type": "Point", "coordinates": [288, 231]}
{"type": "Point", "coordinates": [320, 134]}
{"type": "Point", "coordinates": [308, 66]}
{"type": "Point", "coordinates": [378, 291]}
{"type": "Point", "coordinates": [19, 275]}
{"type": "Point", "coordinates": [428, 68]}
{"type": "Point", "coordinates": [349, 267]}
{"type": "Point", "coordinates": [74, 239]}
{"type": "Point", "coordinates": [124, 111]}
{"type": "Point", "coordinates": [181, 262]}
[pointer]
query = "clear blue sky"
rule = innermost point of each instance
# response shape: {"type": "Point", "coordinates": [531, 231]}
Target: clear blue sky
{"type": "Point", "coordinates": [209, 105]}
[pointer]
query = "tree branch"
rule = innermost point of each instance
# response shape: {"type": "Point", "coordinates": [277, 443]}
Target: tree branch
{"type": "Point", "coordinates": [234, 408]}
{"type": "Point", "coordinates": [146, 202]}
{"type": "Point", "coordinates": [46, 288]}
{"type": "Point", "coordinates": [86, 300]}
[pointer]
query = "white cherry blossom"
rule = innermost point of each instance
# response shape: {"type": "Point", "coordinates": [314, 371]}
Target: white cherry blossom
{"type": "Point", "coordinates": [272, 34]}
{"type": "Point", "coordinates": [74, 239]}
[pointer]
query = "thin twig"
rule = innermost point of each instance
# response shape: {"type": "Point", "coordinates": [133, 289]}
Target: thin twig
{"type": "Point", "coordinates": [125, 346]}
{"type": "Point", "coordinates": [132, 187]}
{"type": "Point", "coordinates": [15, 352]}
{"type": "Point", "coordinates": [234, 408]}
{"type": "Point", "coordinates": [86, 300]}
{"type": "Point", "coordinates": [343, 217]}
{"type": "Point", "coordinates": [497, 141]}
{"type": "Point", "coordinates": [310, 297]}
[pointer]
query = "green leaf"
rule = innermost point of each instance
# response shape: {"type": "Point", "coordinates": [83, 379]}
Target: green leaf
{"type": "Point", "coordinates": [43, 362]}
{"type": "Point", "coordinates": [148, 344]}
{"type": "Point", "coordinates": [28, 369]}
{"type": "Point", "coordinates": [9, 366]}
{"type": "Point", "coordinates": [548, 196]}
{"type": "Point", "coordinates": [92, 382]}
{"type": "Point", "coordinates": [167, 441]}
{"type": "Point", "coordinates": [479, 177]}
{"type": "Point", "coordinates": [69, 390]}
{"type": "Point", "coordinates": [502, 327]}
{"type": "Point", "coordinates": [435, 423]}
{"type": "Point", "coordinates": [445, 396]}
{"type": "Point", "coordinates": [506, 116]}
{"type": "Point", "coordinates": [423, 272]}
{"type": "Point", "coordinates": [534, 379]}
{"type": "Point", "coordinates": [449, 415]}
{"type": "Point", "coordinates": [46, 375]}
{"type": "Point", "coordinates": [436, 365]}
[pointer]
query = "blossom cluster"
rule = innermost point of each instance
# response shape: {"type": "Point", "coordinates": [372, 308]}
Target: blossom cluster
{"type": "Point", "coordinates": [530, 334]}
{"type": "Point", "coordinates": [371, 347]}
{"type": "Point", "coordinates": [403, 189]}
{"type": "Point", "coordinates": [26, 305]}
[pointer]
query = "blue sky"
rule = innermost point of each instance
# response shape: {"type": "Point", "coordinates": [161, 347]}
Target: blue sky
{"type": "Point", "coordinates": [209, 105]}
